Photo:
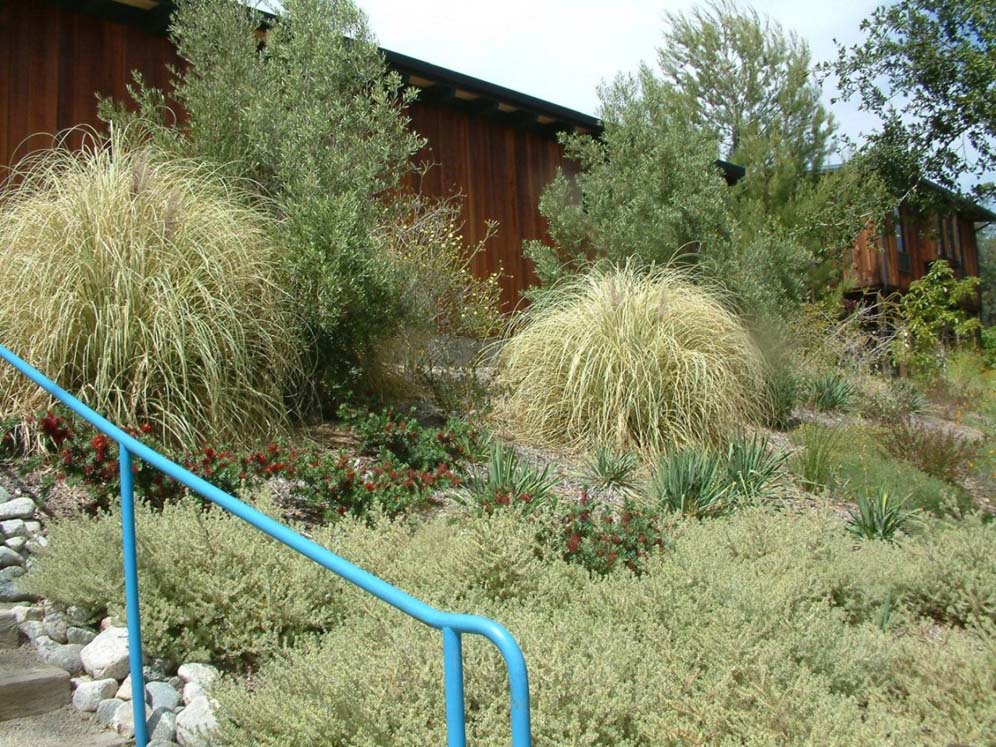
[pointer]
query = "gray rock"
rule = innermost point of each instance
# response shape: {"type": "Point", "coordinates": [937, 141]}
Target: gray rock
{"type": "Point", "coordinates": [65, 657]}
{"type": "Point", "coordinates": [81, 636]}
{"type": "Point", "coordinates": [78, 616]}
{"type": "Point", "coordinates": [32, 629]}
{"type": "Point", "coordinates": [55, 627]}
{"type": "Point", "coordinates": [16, 543]}
{"type": "Point", "coordinates": [89, 695]}
{"type": "Point", "coordinates": [176, 683]}
{"type": "Point", "coordinates": [9, 557]}
{"type": "Point", "coordinates": [36, 543]}
{"type": "Point", "coordinates": [107, 654]}
{"type": "Point", "coordinates": [162, 743]}
{"type": "Point", "coordinates": [195, 724]}
{"type": "Point", "coordinates": [107, 708]}
{"type": "Point", "coordinates": [158, 670]}
{"type": "Point", "coordinates": [202, 674]}
{"type": "Point", "coordinates": [22, 613]}
{"type": "Point", "coordinates": [123, 721]}
{"type": "Point", "coordinates": [160, 695]}
{"type": "Point", "coordinates": [14, 528]}
{"type": "Point", "coordinates": [124, 692]}
{"type": "Point", "coordinates": [4, 495]}
{"type": "Point", "coordinates": [162, 725]}
{"type": "Point", "coordinates": [32, 527]}
{"type": "Point", "coordinates": [18, 508]}
{"type": "Point", "coordinates": [192, 691]}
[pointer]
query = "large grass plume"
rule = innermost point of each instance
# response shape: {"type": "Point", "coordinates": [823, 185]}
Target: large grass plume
{"type": "Point", "coordinates": [147, 286]}
{"type": "Point", "coordinates": [637, 358]}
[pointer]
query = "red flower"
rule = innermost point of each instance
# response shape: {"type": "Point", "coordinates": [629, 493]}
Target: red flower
{"type": "Point", "coordinates": [574, 542]}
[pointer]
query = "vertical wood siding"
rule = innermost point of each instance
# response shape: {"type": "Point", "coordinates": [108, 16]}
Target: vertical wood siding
{"type": "Point", "coordinates": [870, 253]}
{"type": "Point", "coordinates": [53, 62]}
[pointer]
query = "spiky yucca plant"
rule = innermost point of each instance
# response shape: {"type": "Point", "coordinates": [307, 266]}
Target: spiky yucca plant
{"type": "Point", "coordinates": [147, 286]}
{"type": "Point", "coordinates": [640, 359]}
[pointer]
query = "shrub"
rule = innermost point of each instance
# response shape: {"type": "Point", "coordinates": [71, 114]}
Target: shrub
{"type": "Point", "coordinates": [752, 465]}
{"type": "Point", "coordinates": [783, 392]}
{"type": "Point", "coordinates": [211, 586]}
{"type": "Point", "coordinates": [386, 434]}
{"type": "Point", "coordinates": [319, 484]}
{"type": "Point", "coordinates": [879, 518]}
{"type": "Point", "coordinates": [600, 537]}
{"type": "Point", "coordinates": [933, 316]}
{"type": "Point", "coordinates": [862, 467]}
{"type": "Point", "coordinates": [148, 287]}
{"type": "Point", "coordinates": [449, 311]}
{"type": "Point", "coordinates": [758, 629]}
{"type": "Point", "coordinates": [815, 463]}
{"type": "Point", "coordinates": [699, 482]}
{"type": "Point", "coordinates": [641, 360]}
{"type": "Point", "coordinates": [691, 481]}
{"type": "Point", "coordinates": [830, 392]}
{"type": "Point", "coordinates": [316, 118]}
{"type": "Point", "coordinates": [938, 451]}
{"type": "Point", "coordinates": [507, 481]}
{"type": "Point", "coordinates": [611, 470]}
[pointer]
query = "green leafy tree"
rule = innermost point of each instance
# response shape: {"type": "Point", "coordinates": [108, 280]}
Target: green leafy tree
{"type": "Point", "coordinates": [647, 188]}
{"type": "Point", "coordinates": [927, 68]}
{"type": "Point", "coordinates": [987, 271]}
{"type": "Point", "coordinates": [312, 115]}
{"type": "Point", "coordinates": [933, 314]}
{"type": "Point", "coordinates": [748, 82]}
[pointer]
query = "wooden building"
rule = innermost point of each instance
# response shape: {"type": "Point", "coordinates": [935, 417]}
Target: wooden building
{"type": "Point", "coordinates": [910, 241]}
{"type": "Point", "coordinates": [494, 146]}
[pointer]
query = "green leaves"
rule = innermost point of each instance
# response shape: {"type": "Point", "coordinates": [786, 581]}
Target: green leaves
{"type": "Point", "coordinates": [928, 69]}
{"type": "Point", "coordinates": [933, 314]}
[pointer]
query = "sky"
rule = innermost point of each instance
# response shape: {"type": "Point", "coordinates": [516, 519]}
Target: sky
{"type": "Point", "coordinates": [560, 50]}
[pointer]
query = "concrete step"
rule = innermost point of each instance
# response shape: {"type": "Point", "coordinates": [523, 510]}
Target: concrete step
{"type": "Point", "coordinates": [28, 687]}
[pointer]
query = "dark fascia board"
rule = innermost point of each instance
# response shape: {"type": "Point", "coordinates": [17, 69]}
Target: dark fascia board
{"type": "Point", "coordinates": [966, 207]}
{"type": "Point", "coordinates": [404, 64]}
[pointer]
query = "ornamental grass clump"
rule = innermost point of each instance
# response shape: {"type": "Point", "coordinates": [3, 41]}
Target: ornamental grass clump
{"type": "Point", "coordinates": [149, 287]}
{"type": "Point", "coordinates": [639, 359]}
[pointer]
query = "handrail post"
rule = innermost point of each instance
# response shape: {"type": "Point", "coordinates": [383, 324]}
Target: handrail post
{"type": "Point", "coordinates": [456, 730]}
{"type": "Point", "coordinates": [131, 596]}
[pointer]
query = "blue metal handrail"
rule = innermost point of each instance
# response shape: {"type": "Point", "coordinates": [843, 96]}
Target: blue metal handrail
{"type": "Point", "coordinates": [452, 625]}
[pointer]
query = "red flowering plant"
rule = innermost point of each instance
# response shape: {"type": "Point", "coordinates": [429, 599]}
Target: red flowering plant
{"type": "Point", "coordinates": [387, 434]}
{"type": "Point", "coordinates": [91, 458]}
{"type": "Point", "coordinates": [602, 537]}
{"type": "Point", "coordinates": [325, 485]}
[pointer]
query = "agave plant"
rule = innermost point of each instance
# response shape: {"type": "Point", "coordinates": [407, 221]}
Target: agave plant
{"type": "Point", "coordinates": [611, 470]}
{"type": "Point", "coordinates": [831, 392]}
{"type": "Point", "coordinates": [507, 482]}
{"type": "Point", "coordinates": [752, 465]}
{"type": "Point", "coordinates": [880, 518]}
{"type": "Point", "coordinates": [692, 481]}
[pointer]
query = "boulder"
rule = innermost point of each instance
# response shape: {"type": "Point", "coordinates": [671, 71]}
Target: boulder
{"type": "Point", "coordinates": [160, 695]}
{"type": "Point", "coordinates": [89, 695]}
{"type": "Point", "coordinates": [13, 528]}
{"type": "Point", "coordinates": [79, 635]}
{"type": "Point", "coordinates": [55, 627]}
{"type": "Point", "coordinates": [201, 674]}
{"type": "Point", "coordinates": [192, 691]}
{"type": "Point", "coordinates": [196, 724]}
{"type": "Point", "coordinates": [9, 557]}
{"type": "Point", "coordinates": [123, 721]}
{"type": "Point", "coordinates": [162, 725]}
{"type": "Point", "coordinates": [18, 508]}
{"type": "Point", "coordinates": [15, 543]}
{"type": "Point", "coordinates": [106, 710]}
{"type": "Point", "coordinates": [107, 654]}
{"type": "Point", "coordinates": [63, 656]}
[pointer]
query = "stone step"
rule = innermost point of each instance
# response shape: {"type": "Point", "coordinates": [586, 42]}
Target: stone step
{"type": "Point", "coordinates": [29, 686]}
{"type": "Point", "coordinates": [27, 692]}
{"type": "Point", "coordinates": [9, 637]}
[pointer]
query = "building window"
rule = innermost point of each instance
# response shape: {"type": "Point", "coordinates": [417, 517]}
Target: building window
{"type": "Point", "coordinates": [897, 221]}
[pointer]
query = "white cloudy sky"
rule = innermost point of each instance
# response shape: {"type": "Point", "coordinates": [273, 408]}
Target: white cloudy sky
{"type": "Point", "coordinates": [560, 50]}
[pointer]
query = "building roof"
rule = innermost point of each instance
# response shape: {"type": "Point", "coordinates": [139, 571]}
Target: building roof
{"type": "Point", "coordinates": [437, 84]}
